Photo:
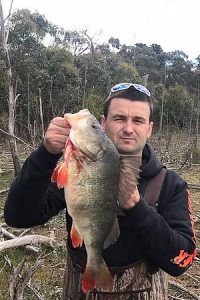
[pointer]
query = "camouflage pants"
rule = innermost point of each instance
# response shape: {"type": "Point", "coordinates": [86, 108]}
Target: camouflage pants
{"type": "Point", "coordinates": [133, 283]}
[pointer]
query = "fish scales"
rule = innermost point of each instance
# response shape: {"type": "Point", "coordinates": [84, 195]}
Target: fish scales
{"type": "Point", "coordinates": [91, 168]}
{"type": "Point", "coordinates": [94, 176]}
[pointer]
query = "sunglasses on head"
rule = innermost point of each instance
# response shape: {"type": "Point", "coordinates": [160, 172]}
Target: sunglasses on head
{"type": "Point", "coordinates": [124, 86]}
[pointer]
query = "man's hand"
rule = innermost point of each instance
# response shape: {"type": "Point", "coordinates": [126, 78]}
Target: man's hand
{"type": "Point", "coordinates": [134, 199]}
{"type": "Point", "coordinates": [56, 135]}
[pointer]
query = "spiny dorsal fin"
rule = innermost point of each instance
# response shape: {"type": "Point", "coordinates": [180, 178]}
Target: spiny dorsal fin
{"type": "Point", "coordinates": [129, 175]}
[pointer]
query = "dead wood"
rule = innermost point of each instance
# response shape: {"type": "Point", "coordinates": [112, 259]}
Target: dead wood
{"type": "Point", "coordinates": [12, 236]}
{"type": "Point", "coordinates": [14, 279]}
{"type": "Point", "coordinates": [4, 191]}
{"type": "Point", "coordinates": [194, 186]}
{"type": "Point", "coordinates": [26, 240]}
{"type": "Point", "coordinates": [35, 292]}
{"type": "Point", "coordinates": [182, 288]}
{"type": "Point", "coordinates": [19, 281]}
{"type": "Point", "coordinates": [15, 137]}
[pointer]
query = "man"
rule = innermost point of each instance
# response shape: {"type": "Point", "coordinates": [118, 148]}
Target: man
{"type": "Point", "coordinates": [152, 240]}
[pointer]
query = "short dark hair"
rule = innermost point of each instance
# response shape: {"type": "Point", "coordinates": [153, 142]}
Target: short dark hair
{"type": "Point", "coordinates": [130, 94]}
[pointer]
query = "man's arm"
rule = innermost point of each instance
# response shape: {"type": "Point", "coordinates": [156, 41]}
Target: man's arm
{"type": "Point", "coordinates": [33, 199]}
{"type": "Point", "coordinates": [167, 235]}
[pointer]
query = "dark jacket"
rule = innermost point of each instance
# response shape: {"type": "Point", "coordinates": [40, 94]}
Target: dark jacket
{"type": "Point", "coordinates": [164, 236]}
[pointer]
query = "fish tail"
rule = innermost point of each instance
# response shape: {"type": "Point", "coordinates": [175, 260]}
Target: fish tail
{"type": "Point", "coordinates": [100, 277]}
{"type": "Point", "coordinates": [60, 175]}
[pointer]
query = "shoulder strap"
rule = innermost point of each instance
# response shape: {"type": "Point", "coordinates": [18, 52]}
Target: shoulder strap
{"type": "Point", "coordinates": [154, 186]}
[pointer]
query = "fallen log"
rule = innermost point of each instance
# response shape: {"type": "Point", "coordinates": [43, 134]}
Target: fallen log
{"type": "Point", "coordinates": [12, 236]}
{"type": "Point", "coordinates": [193, 186]}
{"type": "Point", "coordinates": [4, 191]}
{"type": "Point", "coordinates": [26, 240]}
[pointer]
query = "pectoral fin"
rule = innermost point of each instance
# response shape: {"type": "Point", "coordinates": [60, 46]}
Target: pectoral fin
{"type": "Point", "coordinates": [60, 175]}
{"type": "Point", "coordinates": [113, 235]}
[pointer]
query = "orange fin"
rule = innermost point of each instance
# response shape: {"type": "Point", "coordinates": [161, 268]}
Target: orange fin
{"type": "Point", "coordinates": [55, 174]}
{"type": "Point", "coordinates": [105, 280]}
{"type": "Point", "coordinates": [89, 280]}
{"type": "Point", "coordinates": [100, 277]}
{"type": "Point", "coordinates": [60, 175]}
{"type": "Point", "coordinates": [77, 241]}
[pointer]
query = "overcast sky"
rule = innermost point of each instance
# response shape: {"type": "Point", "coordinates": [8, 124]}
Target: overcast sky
{"type": "Point", "coordinates": [173, 24]}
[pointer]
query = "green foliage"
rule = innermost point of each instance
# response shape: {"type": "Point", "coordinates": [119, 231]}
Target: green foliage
{"type": "Point", "coordinates": [94, 104]}
{"type": "Point", "coordinates": [178, 104]}
{"type": "Point", "coordinates": [73, 69]}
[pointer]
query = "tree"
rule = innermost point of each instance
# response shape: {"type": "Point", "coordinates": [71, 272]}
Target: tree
{"type": "Point", "coordinates": [12, 96]}
{"type": "Point", "coordinates": [27, 55]}
{"type": "Point", "coordinates": [178, 103]}
{"type": "Point", "coordinates": [156, 48]}
{"type": "Point", "coordinates": [77, 42]}
{"type": "Point", "coordinates": [115, 43]}
{"type": "Point", "coordinates": [179, 69]}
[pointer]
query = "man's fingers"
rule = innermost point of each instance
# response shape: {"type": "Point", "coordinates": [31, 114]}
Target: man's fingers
{"type": "Point", "coordinates": [56, 135]}
{"type": "Point", "coordinates": [60, 122]}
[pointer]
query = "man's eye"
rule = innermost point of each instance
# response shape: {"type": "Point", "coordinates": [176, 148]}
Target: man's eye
{"type": "Point", "coordinates": [118, 119]}
{"type": "Point", "coordinates": [139, 121]}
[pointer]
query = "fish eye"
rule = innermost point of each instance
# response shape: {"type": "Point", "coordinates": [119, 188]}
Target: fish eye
{"type": "Point", "coordinates": [95, 126]}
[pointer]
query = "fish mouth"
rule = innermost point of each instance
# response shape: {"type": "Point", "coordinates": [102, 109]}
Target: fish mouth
{"type": "Point", "coordinates": [83, 119]}
{"type": "Point", "coordinates": [72, 119]}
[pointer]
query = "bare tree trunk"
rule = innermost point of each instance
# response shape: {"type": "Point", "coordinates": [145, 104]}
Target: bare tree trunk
{"type": "Point", "coordinates": [28, 105]}
{"type": "Point", "coordinates": [197, 119]}
{"type": "Point", "coordinates": [162, 107]}
{"type": "Point", "coordinates": [41, 113]}
{"type": "Point", "coordinates": [145, 79]}
{"type": "Point", "coordinates": [161, 113]}
{"type": "Point", "coordinates": [50, 100]}
{"type": "Point", "coordinates": [12, 99]}
{"type": "Point", "coordinates": [84, 87]}
{"type": "Point", "coordinates": [191, 120]}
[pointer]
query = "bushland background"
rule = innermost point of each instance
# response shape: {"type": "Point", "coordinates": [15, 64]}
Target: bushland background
{"type": "Point", "coordinates": [45, 71]}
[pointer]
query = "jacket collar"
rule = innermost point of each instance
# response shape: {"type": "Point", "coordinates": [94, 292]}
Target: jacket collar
{"type": "Point", "coordinates": [151, 165]}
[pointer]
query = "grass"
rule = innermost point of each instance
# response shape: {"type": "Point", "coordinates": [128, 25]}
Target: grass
{"type": "Point", "coordinates": [48, 279]}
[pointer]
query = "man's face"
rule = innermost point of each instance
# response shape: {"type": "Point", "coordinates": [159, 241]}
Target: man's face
{"type": "Point", "coordinates": [127, 125]}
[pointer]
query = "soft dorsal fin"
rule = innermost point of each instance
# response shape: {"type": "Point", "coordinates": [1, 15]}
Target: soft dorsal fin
{"type": "Point", "coordinates": [129, 175]}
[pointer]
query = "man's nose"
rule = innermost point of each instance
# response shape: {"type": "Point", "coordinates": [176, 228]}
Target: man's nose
{"type": "Point", "coordinates": [128, 128]}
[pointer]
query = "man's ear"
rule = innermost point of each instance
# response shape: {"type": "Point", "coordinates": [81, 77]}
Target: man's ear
{"type": "Point", "coordinates": [150, 129]}
{"type": "Point", "coordinates": [102, 122]}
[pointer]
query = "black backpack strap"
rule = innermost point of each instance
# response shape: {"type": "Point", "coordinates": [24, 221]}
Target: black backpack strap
{"type": "Point", "coordinates": [154, 186]}
{"type": "Point", "coordinates": [151, 195]}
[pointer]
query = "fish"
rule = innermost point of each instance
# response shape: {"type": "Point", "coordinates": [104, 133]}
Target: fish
{"type": "Point", "coordinates": [92, 176]}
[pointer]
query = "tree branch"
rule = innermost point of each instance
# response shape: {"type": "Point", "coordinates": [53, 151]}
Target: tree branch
{"type": "Point", "coordinates": [180, 287]}
{"type": "Point", "coordinates": [15, 137]}
{"type": "Point", "coordinates": [26, 240]}
{"type": "Point", "coordinates": [12, 236]}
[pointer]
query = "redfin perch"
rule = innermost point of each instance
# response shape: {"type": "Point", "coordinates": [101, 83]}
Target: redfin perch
{"type": "Point", "coordinates": [90, 177]}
